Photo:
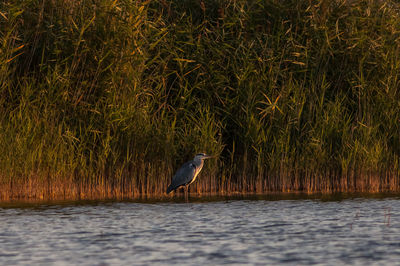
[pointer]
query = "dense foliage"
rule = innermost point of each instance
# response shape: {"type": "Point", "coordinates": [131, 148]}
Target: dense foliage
{"type": "Point", "coordinates": [292, 94]}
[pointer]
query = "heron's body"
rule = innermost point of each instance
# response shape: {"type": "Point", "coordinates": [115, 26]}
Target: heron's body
{"type": "Point", "coordinates": [188, 172]}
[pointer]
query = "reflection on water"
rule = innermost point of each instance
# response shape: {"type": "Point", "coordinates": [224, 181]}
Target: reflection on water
{"type": "Point", "coordinates": [300, 231]}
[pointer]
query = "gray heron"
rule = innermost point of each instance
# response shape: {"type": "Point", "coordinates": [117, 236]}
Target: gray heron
{"type": "Point", "coordinates": [188, 172]}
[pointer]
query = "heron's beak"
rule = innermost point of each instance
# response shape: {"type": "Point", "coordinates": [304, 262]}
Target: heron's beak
{"type": "Point", "coordinates": [209, 156]}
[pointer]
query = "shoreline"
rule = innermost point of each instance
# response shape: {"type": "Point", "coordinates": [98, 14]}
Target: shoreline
{"type": "Point", "coordinates": [195, 198]}
{"type": "Point", "coordinates": [78, 192]}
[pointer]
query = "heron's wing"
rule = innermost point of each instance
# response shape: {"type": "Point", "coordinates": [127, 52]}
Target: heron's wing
{"type": "Point", "coordinates": [183, 176]}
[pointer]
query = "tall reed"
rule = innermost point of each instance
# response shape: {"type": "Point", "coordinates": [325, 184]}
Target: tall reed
{"type": "Point", "coordinates": [107, 98]}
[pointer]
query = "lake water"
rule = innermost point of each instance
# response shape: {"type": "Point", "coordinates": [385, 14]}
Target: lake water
{"type": "Point", "coordinates": [357, 231]}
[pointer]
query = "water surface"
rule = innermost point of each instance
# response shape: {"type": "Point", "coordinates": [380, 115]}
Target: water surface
{"type": "Point", "coordinates": [303, 231]}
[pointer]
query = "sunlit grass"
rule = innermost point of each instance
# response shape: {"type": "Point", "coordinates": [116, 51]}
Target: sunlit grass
{"type": "Point", "coordinates": [108, 98]}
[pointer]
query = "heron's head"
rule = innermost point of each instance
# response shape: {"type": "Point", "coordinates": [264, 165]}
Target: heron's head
{"type": "Point", "coordinates": [202, 156]}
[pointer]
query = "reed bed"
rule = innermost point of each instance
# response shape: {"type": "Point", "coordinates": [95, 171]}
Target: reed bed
{"type": "Point", "coordinates": [105, 99]}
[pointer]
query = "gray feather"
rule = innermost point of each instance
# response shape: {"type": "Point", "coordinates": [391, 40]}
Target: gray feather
{"type": "Point", "coordinates": [188, 172]}
{"type": "Point", "coordinates": [183, 176]}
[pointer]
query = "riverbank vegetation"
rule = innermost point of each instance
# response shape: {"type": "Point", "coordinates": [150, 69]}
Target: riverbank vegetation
{"type": "Point", "coordinates": [104, 99]}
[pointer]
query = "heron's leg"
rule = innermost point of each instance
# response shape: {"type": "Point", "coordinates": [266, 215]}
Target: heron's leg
{"type": "Point", "coordinates": [187, 193]}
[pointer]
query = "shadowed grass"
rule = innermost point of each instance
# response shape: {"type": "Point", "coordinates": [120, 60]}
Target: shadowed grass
{"type": "Point", "coordinates": [103, 99]}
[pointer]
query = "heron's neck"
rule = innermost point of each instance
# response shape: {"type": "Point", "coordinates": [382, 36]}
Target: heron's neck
{"type": "Point", "coordinates": [198, 162]}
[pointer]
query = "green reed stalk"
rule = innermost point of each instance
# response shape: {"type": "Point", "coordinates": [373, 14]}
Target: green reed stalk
{"type": "Point", "coordinates": [104, 99]}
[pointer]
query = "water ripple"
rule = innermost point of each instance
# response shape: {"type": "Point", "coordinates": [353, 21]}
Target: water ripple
{"type": "Point", "coordinates": [301, 232]}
